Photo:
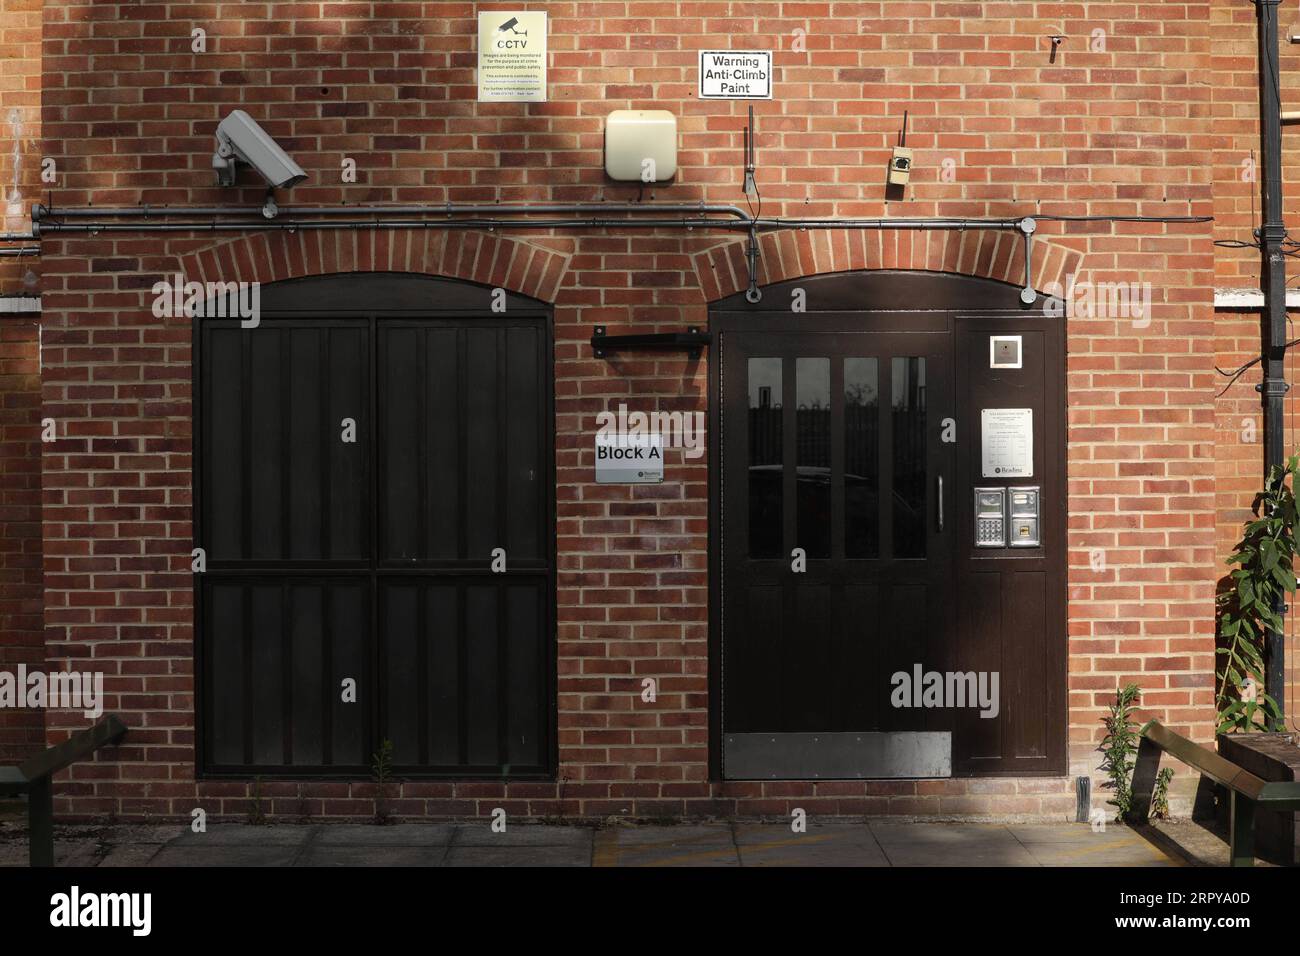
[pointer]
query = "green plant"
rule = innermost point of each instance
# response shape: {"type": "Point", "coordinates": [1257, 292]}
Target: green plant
{"type": "Point", "coordinates": [1120, 744]}
{"type": "Point", "coordinates": [1160, 795]}
{"type": "Point", "coordinates": [1249, 606]}
{"type": "Point", "coordinates": [381, 767]}
{"type": "Point", "coordinates": [256, 815]}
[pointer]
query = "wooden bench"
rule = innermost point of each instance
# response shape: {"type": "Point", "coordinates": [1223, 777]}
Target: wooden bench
{"type": "Point", "coordinates": [33, 777]}
{"type": "Point", "coordinates": [1246, 792]}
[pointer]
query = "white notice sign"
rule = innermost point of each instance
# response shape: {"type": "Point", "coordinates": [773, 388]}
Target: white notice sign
{"type": "Point", "coordinates": [735, 74]}
{"type": "Point", "coordinates": [512, 57]}
{"type": "Point", "coordinates": [629, 459]}
{"type": "Point", "coordinates": [1007, 440]}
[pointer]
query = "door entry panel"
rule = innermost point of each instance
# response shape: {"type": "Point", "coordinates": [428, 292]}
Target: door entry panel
{"type": "Point", "coordinates": [859, 541]}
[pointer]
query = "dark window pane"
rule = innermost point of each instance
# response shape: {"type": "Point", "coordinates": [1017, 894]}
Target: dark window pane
{"type": "Point", "coordinates": [861, 458]}
{"type": "Point", "coordinates": [765, 443]}
{"type": "Point", "coordinates": [908, 402]}
{"type": "Point", "coordinates": [813, 389]}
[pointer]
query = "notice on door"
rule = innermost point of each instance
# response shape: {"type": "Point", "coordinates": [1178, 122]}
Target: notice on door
{"type": "Point", "coordinates": [735, 74]}
{"type": "Point", "coordinates": [512, 57]}
{"type": "Point", "coordinates": [629, 459]}
{"type": "Point", "coordinates": [1007, 440]}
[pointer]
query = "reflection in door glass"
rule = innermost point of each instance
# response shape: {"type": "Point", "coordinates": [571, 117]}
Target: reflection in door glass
{"type": "Point", "coordinates": [861, 458]}
{"type": "Point", "coordinates": [813, 488]}
{"type": "Point", "coordinates": [765, 443]}
{"type": "Point", "coordinates": [908, 400]}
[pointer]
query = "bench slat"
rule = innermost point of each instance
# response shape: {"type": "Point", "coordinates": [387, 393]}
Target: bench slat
{"type": "Point", "coordinates": [1217, 768]}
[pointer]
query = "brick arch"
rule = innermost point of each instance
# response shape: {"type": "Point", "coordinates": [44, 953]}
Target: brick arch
{"type": "Point", "coordinates": [487, 258]}
{"type": "Point", "coordinates": [792, 254]}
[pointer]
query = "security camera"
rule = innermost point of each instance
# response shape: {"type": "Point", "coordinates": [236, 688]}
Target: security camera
{"type": "Point", "coordinates": [240, 139]}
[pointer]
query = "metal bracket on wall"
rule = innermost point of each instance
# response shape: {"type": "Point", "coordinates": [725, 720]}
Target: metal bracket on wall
{"type": "Point", "coordinates": [692, 340]}
{"type": "Point", "coordinates": [1027, 227]}
{"type": "Point", "coordinates": [753, 294]}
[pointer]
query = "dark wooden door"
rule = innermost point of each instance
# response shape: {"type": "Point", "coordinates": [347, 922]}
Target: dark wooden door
{"type": "Point", "coordinates": [837, 503]}
{"type": "Point", "coordinates": [357, 474]}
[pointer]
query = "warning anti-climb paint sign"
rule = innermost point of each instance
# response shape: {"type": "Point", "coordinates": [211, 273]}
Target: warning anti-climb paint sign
{"type": "Point", "coordinates": [735, 74]}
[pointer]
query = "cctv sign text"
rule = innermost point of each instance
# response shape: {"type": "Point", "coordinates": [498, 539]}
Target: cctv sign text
{"type": "Point", "coordinates": [735, 75]}
{"type": "Point", "coordinates": [512, 56]}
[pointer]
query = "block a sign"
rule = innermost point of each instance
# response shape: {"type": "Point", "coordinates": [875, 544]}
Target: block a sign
{"type": "Point", "coordinates": [512, 57]}
{"type": "Point", "coordinates": [634, 459]}
{"type": "Point", "coordinates": [735, 74]}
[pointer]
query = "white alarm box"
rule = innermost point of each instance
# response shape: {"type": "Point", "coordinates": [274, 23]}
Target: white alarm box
{"type": "Point", "coordinates": [641, 145]}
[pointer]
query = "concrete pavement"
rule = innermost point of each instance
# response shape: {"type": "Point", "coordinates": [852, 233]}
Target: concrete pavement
{"type": "Point", "coordinates": [838, 843]}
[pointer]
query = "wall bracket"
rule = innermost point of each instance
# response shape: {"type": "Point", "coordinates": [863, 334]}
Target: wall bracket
{"type": "Point", "coordinates": [690, 341]}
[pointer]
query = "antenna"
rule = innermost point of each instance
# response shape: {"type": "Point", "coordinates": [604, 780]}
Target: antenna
{"type": "Point", "coordinates": [902, 136]}
{"type": "Point", "coordinates": [750, 187]}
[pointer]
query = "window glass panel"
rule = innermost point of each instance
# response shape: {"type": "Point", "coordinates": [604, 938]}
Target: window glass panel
{"type": "Point", "coordinates": [861, 458]}
{"type": "Point", "coordinates": [765, 458]}
{"type": "Point", "coordinates": [908, 402]}
{"type": "Point", "coordinates": [813, 495]}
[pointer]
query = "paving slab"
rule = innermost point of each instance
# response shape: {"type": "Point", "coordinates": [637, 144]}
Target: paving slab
{"type": "Point", "coordinates": [666, 836]}
{"type": "Point", "coordinates": [241, 834]}
{"type": "Point", "coordinates": [522, 834]}
{"type": "Point", "coordinates": [811, 849]}
{"type": "Point", "coordinates": [1070, 833]}
{"type": "Point", "coordinates": [80, 853]}
{"type": "Point", "coordinates": [710, 845]}
{"type": "Point", "coordinates": [938, 844]}
{"type": "Point", "coordinates": [841, 856]}
{"type": "Point", "coordinates": [519, 855]}
{"type": "Point", "coordinates": [225, 855]}
{"type": "Point", "coordinates": [941, 834]}
{"type": "Point", "coordinates": [853, 834]}
{"type": "Point", "coordinates": [131, 854]}
{"type": "Point", "coordinates": [401, 834]}
{"type": "Point", "coordinates": [1133, 851]}
{"type": "Point", "coordinates": [318, 854]}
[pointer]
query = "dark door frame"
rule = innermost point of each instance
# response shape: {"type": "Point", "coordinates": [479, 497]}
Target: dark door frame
{"type": "Point", "coordinates": [860, 301]}
{"type": "Point", "coordinates": [376, 297]}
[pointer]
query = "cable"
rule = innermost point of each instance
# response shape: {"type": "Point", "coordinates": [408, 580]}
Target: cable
{"type": "Point", "coordinates": [1235, 374]}
{"type": "Point", "coordinates": [1047, 218]}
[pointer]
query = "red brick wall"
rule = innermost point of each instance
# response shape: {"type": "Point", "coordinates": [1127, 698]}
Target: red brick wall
{"type": "Point", "coordinates": [20, 133]}
{"type": "Point", "coordinates": [21, 629]}
{"type": "Point", "coordinates": [22, 636]}
{"type": "Point", "coordinates": [391, 85]}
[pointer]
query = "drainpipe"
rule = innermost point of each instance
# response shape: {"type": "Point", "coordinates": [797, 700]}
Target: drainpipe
{"type": "Point", "coordinates": [1272, 280]}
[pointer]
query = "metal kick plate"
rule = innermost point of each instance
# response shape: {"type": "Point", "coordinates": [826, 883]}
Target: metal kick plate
{"type": "Point", "coordinates": [837, 756]}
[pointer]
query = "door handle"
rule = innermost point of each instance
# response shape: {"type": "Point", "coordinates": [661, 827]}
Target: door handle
{"type": "Point", "coordinates": [940, 482]}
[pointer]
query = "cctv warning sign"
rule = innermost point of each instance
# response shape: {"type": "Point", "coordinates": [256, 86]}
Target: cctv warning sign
{"type": "Point", "coordinates": [735, 74]}
{"type": "Point", "coordinates": [512, 57]}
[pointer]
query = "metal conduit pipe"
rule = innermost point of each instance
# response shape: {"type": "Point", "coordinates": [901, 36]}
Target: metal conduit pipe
{"type": "Point", "coordinates": [16, 251]}
{"type": "Point", "coordinates": [41, 223]}
{"type": "Point", "coordinates": [41, 211]}
{"type": "Point", "coordinates": [45, 219]}
{"type": "Point", "coordinates": [767, 225]}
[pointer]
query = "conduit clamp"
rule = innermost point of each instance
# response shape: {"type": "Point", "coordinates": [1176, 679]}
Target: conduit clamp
{"type": "Point", "coordinates": [1027, 294]}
